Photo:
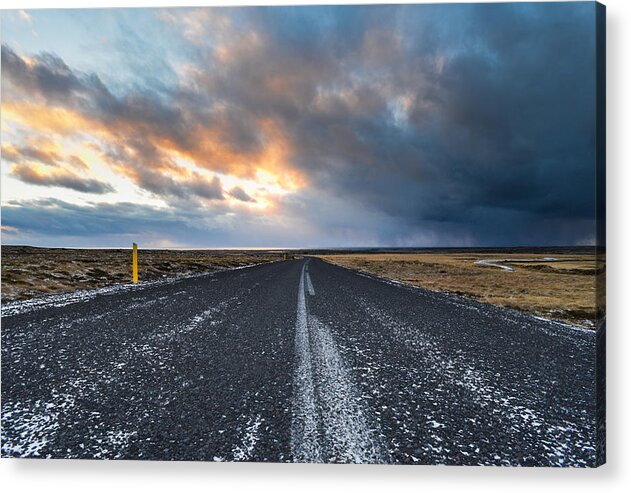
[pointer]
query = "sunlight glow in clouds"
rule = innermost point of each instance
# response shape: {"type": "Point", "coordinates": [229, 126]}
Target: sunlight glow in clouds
{"type": "Point", "coordinates": [299, 126]}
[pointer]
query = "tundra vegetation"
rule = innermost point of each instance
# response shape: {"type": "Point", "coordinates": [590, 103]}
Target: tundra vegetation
{"type": "Point", "coordinates": [28, 272]}
{"type": "Point", "coordinates": [558, 286]}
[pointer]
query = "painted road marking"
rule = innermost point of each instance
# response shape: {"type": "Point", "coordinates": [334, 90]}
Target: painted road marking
{"type": "Point", "coordinates": [329, 422]}
{"type": "Point", "coordinates": [348, 434]}
{"type": "Point", "coordinates": [310, 286]}
{"type": "Point", "coordinates": [305, 444]}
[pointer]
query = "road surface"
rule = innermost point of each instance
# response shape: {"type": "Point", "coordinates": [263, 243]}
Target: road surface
{"type": "Point", "coordinates": [296, 361]}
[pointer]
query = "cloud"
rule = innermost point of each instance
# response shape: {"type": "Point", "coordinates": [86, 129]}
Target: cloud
{"type": "Point", "coordinates": [56, 217]}
{"type": "Point", "coordinates": [57, 170]}
{"type": "Point", "coordinates": [77, 162]}
{"type": "Point", "coordinates": [140, 123]}
{"type": "Point", "coordinates": [456, 124]}
{"type": "Point", "coordinates": [201, 187]}
{"type": "Point", "coordinates": [25, 16]}
{"type": "Point", "coordinates": [8, 230]}
{"type": "Point", "coordinates": [30, 153]}
{"type": "Point", "coordinates": [98, 223]}
{"type": "Point", "coordinates": [61, 178]}
{"type": "Point", "coordinates": [240, 194]}
{"type": "Point", "coordinates": [46, 74]}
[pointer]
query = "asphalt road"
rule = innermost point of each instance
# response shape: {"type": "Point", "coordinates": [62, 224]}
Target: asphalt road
{"type": "Point", "coordinates": [293, 361]}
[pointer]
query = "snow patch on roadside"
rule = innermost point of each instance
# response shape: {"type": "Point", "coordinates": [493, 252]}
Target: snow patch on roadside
{"type": "Point", "coordinates": [28, 427]}
{"type": "Point", "coordinates": [59, 300]}
{"type": "Point", "coordinates": [250, 438]}
{"type": "Point", "coordinates": [113, 444]}
{"type": "Point", "coordinates": [561, 439]}
{"type": "Point", "coordinates": [497, 262]}
{"type": "Point", "coordinates": [494, 263]}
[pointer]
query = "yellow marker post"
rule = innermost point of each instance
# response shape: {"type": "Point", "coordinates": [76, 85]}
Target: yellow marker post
{"type": "Point", "coordinates": [134, 262]}
{"type": "Point", "coordinates": [284, 256]}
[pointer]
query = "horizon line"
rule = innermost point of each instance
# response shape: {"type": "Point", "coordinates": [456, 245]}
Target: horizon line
{"type": "Point", "coordinates": [236, 248]}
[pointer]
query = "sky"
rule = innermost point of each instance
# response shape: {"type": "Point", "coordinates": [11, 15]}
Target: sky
{"type": "Point", "coordinates": [327, 126]}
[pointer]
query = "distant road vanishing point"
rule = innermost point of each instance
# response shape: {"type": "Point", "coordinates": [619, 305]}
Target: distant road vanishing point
{"type": "Point", "coordinates": [295, 361]}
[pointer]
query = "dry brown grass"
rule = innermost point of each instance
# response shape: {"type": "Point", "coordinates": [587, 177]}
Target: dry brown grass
{"type": "Point", "coordinates": [563, 290]}
{"type": "Point", "coordinates": [28, 272]}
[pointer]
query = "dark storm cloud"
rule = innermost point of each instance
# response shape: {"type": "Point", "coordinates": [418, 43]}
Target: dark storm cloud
{"type": "Point", "coordinates": [478, 118]}
{"type": "Point", "coordinates": [58, 222]}
{"type": "Point", "coordinates": [58, 218]}
{"type": "Point", "coordinates": [459, 124]}
{"type": "Point", "coordinates": [499, 140]}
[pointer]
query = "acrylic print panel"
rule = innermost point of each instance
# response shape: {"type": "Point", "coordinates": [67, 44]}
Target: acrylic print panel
{"type": "Point", "coordinates": [361, 234]}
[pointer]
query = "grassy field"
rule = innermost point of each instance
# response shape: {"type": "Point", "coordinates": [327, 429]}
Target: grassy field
{"type": "Point", "coordinates": [563, 289]}
{"type": "Point", "coordinates": [28, 272]}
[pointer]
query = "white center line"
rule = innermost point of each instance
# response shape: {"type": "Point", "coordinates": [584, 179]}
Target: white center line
{"type": "Point", "coordinates": [304, 434]}
{"type": "Point", "coordinates": [310, 286]}
{"type": "Point", "coordinates": [329, 422]}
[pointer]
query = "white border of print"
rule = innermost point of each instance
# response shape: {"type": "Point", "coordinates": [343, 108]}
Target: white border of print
{"type": "Point", "coordinates": [109, 476]}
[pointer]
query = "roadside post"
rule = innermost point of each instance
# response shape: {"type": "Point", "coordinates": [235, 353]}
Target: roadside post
{"type": "Point", "coordinates": [134, 262]}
